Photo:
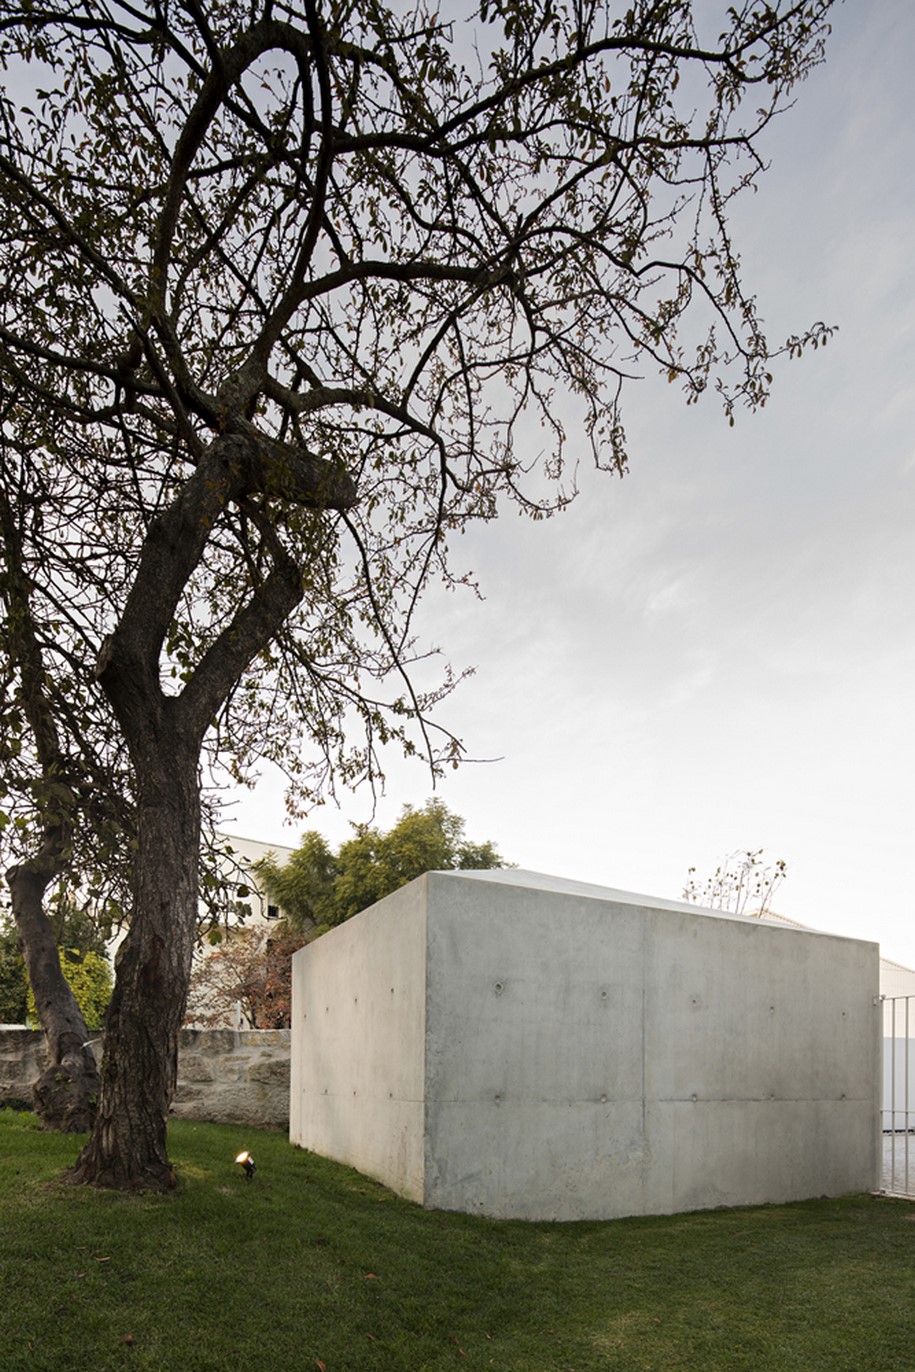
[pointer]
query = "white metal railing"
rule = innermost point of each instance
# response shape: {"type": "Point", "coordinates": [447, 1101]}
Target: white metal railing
{"type": "Point", "coordinates": [897, 1117]}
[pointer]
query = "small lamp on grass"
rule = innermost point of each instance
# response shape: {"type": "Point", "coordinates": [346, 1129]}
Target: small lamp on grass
{"type": "Point", "coordinates": [246, 1161]}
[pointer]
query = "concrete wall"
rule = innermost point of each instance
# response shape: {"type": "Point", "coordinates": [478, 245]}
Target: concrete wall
{"type": "Point", "coordinates": [587, 1053]}
{"type": "Point", "coordinates": [223, 1076]}
{"type": "Point", "coordinates": [359, 1006]}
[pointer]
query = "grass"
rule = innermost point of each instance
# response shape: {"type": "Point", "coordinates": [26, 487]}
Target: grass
{"type": "Point", "coordinates": [312, 1266]}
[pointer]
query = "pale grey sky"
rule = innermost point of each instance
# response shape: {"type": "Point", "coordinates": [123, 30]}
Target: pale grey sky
{"type": "Point", "coordinates": [719, 651]}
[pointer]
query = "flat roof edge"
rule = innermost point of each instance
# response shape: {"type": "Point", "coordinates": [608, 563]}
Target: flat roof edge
{"type": "Point", "coordinates": [524, 878]}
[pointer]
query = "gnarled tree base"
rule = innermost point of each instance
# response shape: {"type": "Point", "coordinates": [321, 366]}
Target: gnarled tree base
{"type": "Point", "coordinates": [118, 1170]}
{"type": "Point", "coordinates": [66, 1094]}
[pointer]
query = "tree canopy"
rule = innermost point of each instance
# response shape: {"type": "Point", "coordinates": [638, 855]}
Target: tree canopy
{"type": "Point", "coordinates": [317, 887]}
{"type": "Point", "coordinates": [360, 260]}
{"type": "Point", "coordinates": [291, 293]}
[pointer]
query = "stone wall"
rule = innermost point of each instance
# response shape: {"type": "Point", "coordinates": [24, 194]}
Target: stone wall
{"type": "Point", "coordinates": [233, 1076]}
{"type": "Point", "coordinates": [22, 1058]}
{"type": "Point", "coordinates": [224, 1076]}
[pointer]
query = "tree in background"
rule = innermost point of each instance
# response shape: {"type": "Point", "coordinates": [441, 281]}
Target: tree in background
{"type": "Point", "coordinates": [14, 986]}
{"type": "Point", "coordinates": [249, 970]}
{"type": "Point", "coordinates": [81, 935]}
{"type": "Point", "coordinates": [88, 975]}
{"type": "Point", "coordinates": [316, 888]}
{"type": "Point", "coordinates": [292, 294]}
{"type": "Point", "coordinates": [742, 883]}
{"type": "Point", "coordinates": [303, 886]}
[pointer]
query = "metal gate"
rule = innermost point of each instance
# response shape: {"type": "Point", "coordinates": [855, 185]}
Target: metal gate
{"type": "Point", "coordinates": [897, 1117]}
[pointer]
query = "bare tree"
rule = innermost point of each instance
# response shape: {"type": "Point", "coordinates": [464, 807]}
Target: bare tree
{"type": "Point", "coordinates": [742, 883]}
{"type": "Point", "coordinates": [289, 296]}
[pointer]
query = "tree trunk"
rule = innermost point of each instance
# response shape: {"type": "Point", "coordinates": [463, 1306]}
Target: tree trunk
{"type": "Point", "coordinates": [164, 734]}
{"type": "Point", "coordinates": [66, 1091]}
{"type": "Point", "coordinates": [128, 1148]}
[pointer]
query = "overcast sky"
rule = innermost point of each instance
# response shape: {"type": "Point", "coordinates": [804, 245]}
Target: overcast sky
{"type": "Point", "coordinates": [717, 652]}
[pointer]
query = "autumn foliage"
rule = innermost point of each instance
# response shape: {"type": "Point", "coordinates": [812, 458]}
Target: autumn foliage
{"type": "Point", "coordinates": [248, 973]}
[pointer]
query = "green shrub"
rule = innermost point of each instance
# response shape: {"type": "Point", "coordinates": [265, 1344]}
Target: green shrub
{"type": "Point", "coordinates": [13, 982]}
{"type": "Point", "coordinates": [89, 975]}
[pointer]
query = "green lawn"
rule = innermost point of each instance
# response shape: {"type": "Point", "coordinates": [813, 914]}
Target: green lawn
{"type": "Point", "coordinates": [312, 1266]}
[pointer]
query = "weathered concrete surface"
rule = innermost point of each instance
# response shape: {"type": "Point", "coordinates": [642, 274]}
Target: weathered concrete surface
{"type": "Point", "coordinates": [585, 1053]}
{"type": "Point", "coordinates": [223, 1076]}
{"type": "Point", "coordinates": [359, 1006]}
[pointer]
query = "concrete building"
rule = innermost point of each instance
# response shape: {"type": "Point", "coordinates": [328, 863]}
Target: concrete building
{"type": "Point", "coordinates": [511, 1044]}
{"type": "Point", "coordinates": [897, 992]}
{"type": "Point", "coordinates": [895, 980]}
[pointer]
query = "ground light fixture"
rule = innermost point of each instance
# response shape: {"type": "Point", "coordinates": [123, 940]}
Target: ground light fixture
{"type": "Point", "coordinates": [246, 1161]}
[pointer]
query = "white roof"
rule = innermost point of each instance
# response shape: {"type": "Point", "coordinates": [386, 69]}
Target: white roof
{"type": "Point", "coordinates": [252, 849]}
{"type": "Point", "coordinates": [540, 881]}
{"type": "Point", "coordinates": [896, 980]}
